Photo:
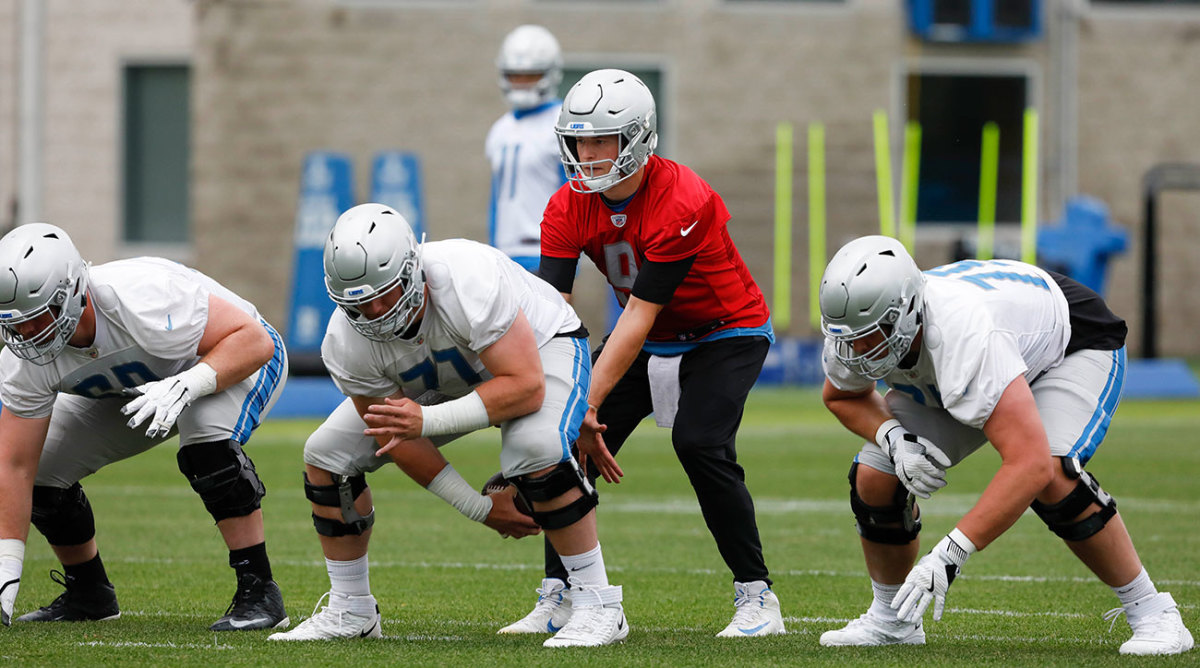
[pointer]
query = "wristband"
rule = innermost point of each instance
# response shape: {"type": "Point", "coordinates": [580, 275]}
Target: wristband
{"type": "Point", "coordinates": [957, 546]}
{"type": "Point", "coordinates": [458, 416]}
{"type": "Point", "coordinates": [452, 489]}
{"type": "Point", "coordinates": [882, 432]}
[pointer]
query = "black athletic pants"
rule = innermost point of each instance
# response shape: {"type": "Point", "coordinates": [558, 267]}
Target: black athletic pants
{"type": "Point", "coordinates": [714, 380]}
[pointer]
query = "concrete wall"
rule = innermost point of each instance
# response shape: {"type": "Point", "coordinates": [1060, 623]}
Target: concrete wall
{"type": "Point", "coordinates": [274, 79]}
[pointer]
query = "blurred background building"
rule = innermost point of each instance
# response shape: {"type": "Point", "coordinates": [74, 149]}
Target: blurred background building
{"type": "Point", "coordinates": [179, 128]}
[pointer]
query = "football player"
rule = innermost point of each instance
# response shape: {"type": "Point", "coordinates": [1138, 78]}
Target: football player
{"type": "Point", "coordinates": [974, 352]}
{"type": "Point", "coordinates": [521, 146]}
{"type": "Point", "coordinates": [694, 330]}
{"type": "Point", "coordinates": [87, 347]}
{"type": "Point", "coordinates": [431, 342]}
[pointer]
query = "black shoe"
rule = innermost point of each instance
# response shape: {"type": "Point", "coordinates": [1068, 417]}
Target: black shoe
{"type": "Point", "coordinates": [80, 602]}
{"type": "Point", "coordinates": [257, 604]}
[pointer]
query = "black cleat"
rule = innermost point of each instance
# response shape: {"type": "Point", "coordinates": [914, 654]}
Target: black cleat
{"type": "Point", "coordinates": [257, 604]}
{"type": "Point", "coordinates": [80, 602]}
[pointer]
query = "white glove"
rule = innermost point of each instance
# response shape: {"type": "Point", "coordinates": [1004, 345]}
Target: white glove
{"type": "Point", "coordinates": [920, 465]}
{"type": "Point", "coordinates": [165, 399]}
{"type": "Point", "coordinates": [931, 577]}
{"type": "Point", "coordinates": [12, 557]}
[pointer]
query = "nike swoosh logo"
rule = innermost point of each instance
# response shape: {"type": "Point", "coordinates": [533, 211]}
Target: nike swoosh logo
{"type": "Point", "coordinates": [367, 631]}
{"type": "Point", "coordinates": [621, 624]}
{"type": "Point", "coordinates": [249, 622]}
{"type": "Point", "coordinates": [687, 230]}
{"type": "Point", "coordinates": [169, 325]}
{"type": "Point", "coordinates": [931, 586]}
{"type": "Point", "coordinates": [576, 570]}
{"type": "Point", "coordinates": [552, 628]}
{"type": "Point", "coordinates": [754, 630]}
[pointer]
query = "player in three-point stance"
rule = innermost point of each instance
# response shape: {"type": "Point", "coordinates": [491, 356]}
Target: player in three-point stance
{"type": "Point", "coordinates": [973, 352]}
{"type": "Point", "coordinates": [694, 331]}
{"type": "Point", "coordinates": [81, 341]}
{"type": "Point", "coordinates": [430, 342]}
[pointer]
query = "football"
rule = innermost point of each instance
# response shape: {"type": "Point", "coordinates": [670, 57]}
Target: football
{"type": "Point", "coordinates": [497, 483]}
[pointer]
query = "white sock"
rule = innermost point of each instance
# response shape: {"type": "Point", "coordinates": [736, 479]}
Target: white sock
{"type": "Point", "coordinates": [587, 568]}
{"type": "Point", "coordinates": [1140, 587]}
{"type": "Point", "coordinates": [881, 606]}
{"type": "Point", "coordinates": [348, 578]}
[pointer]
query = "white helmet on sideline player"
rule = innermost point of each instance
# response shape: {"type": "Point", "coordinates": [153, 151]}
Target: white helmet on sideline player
{"type": "Point", "coordinates": [40, 272]}
{"type": "Point", "coordinates": [371, 251]}
{"type": "Point", "coordinates": [530, 49]}
{"type": "Point", "coordinates": [607, 102]}
{"type": "Point", "coordinates": [872, 285]}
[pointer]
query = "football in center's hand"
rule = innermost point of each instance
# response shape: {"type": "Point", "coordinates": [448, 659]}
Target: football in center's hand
{"type": "Point", "coordinates": [498, 483]}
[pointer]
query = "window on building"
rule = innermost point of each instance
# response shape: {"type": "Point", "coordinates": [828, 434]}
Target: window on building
{"type": "Point", "coordinates": [651, 76]}
{"type": "Point", "coordinates": [156, 153]}
{"type": "Point", "coordinates": [952, 109]}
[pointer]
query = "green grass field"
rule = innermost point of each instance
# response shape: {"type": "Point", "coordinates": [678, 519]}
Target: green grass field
{"type": "Point", "coordinates": [445, 584]}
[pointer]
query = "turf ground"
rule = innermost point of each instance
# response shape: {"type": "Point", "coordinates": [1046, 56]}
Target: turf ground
{"type": "Point", "coordinates": [446, 584]}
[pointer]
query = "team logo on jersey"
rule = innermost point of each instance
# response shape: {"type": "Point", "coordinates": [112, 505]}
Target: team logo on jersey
{"type": "Point", "coordinates": [618, 219]}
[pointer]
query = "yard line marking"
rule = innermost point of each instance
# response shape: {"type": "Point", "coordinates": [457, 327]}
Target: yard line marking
{"type": "Point", "coordinates": [665, 570]}
{"type": "Point", "coordinates": [155, 645]}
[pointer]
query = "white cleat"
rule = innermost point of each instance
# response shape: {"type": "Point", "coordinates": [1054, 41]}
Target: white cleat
{"type": "Point", "coordinates": [1157, 629]}
{"type": "Point", "coordinates": [551, 613]}
{"type": "Point", "coordinates": [757, 612]}
{"type": "Point", "coordinates": [870, 631]}
{"type": "Point", "coordinates": [329, 623]}
{"type": "Point", "coordinates": [597, 619]}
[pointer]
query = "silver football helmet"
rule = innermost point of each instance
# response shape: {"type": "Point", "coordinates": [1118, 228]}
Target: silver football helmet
{"type": "Point", "coordinates": [607, 102]}
{"type": "Point", "coordinates": [40, 272]}
{"type": "Point", "coordinates": [530, 49]}
{"type": "Point", "coordinates": [370, 252]}
{"type": "Point", "coordinates": [872, 286]}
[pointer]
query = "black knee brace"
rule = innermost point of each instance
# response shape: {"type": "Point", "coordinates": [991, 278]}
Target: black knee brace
{"type": "Point", "coordinates": [223, 476]}
{"type": "Point", "coordinates": [872, 521]}
{"type": "Point", "coordinates": [1060, 517]}
{"type": "Point", "coordinates": [341, 495]}
{"type": "Point", "coordinates": [63, 516]}
{"type": "Point", "coordinates": [554, 484]}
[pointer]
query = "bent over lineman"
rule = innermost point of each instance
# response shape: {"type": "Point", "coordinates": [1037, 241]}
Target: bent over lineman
{"type": "Point", "coordinates": [976, 352]}
{"type": "Point", "coordinates": [432, 342]}
{"type": "Point", "coordinates": [202, 364]}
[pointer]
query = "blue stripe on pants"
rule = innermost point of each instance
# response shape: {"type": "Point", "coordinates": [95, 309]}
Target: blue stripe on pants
{"type": "Point", "coordinates": [268, 379]}
{"type": "Point", "coordinates": [1097, 427]}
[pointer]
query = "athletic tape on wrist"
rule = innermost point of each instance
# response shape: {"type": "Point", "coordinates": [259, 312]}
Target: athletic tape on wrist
{"type": "Point", "coordinates": [881, 433]}
{"type": "Point", "coordinates": [201, 379]}
{"type": "Point", "coordinates": [452, 489]}
{"type": "Point", "coordinates": [13, 548]}
{"type": "Point", "coordinates": [458, 416]}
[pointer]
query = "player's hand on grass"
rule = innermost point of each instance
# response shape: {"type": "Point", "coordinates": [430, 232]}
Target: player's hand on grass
{"type": "Point", "coordinates": [12, 557]}
{"type": "Point", "coordinates": [929, 580]}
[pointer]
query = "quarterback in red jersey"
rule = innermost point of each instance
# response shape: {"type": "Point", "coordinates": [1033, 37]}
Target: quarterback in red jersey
{"type": "Point", "coordinates": [690, 341]}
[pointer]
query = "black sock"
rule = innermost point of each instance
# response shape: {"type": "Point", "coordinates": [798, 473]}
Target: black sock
{"type": "Point", "coordinates": [89, 572]}
{"type": "Point", "coordinates": [251, 559]}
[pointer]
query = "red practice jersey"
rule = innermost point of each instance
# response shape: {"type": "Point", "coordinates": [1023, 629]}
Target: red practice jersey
{"type": "Point", "coordinates": [674, 215]}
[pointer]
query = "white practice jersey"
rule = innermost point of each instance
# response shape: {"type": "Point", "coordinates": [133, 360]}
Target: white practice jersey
{"type": "Point", "coordinates": [984, 324]}
{"type": "Point", "coordinates": [150, 316]}
{"type": "Point", "coordinates": [526, 170]}
{"type": "Point", "coordinates": [474, 294]}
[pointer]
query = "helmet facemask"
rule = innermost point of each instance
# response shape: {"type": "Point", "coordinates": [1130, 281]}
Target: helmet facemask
{"type": "Point", "coordinates": [872, 294]}
{"type": "Point", "coordinates": [604, 103]}
{"type": "Point", "coordinates": [42, 273]}
{"type": "Point", "coordinates": [530, 49]}
{"type": "Point", "coordinates": [370, 255]}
